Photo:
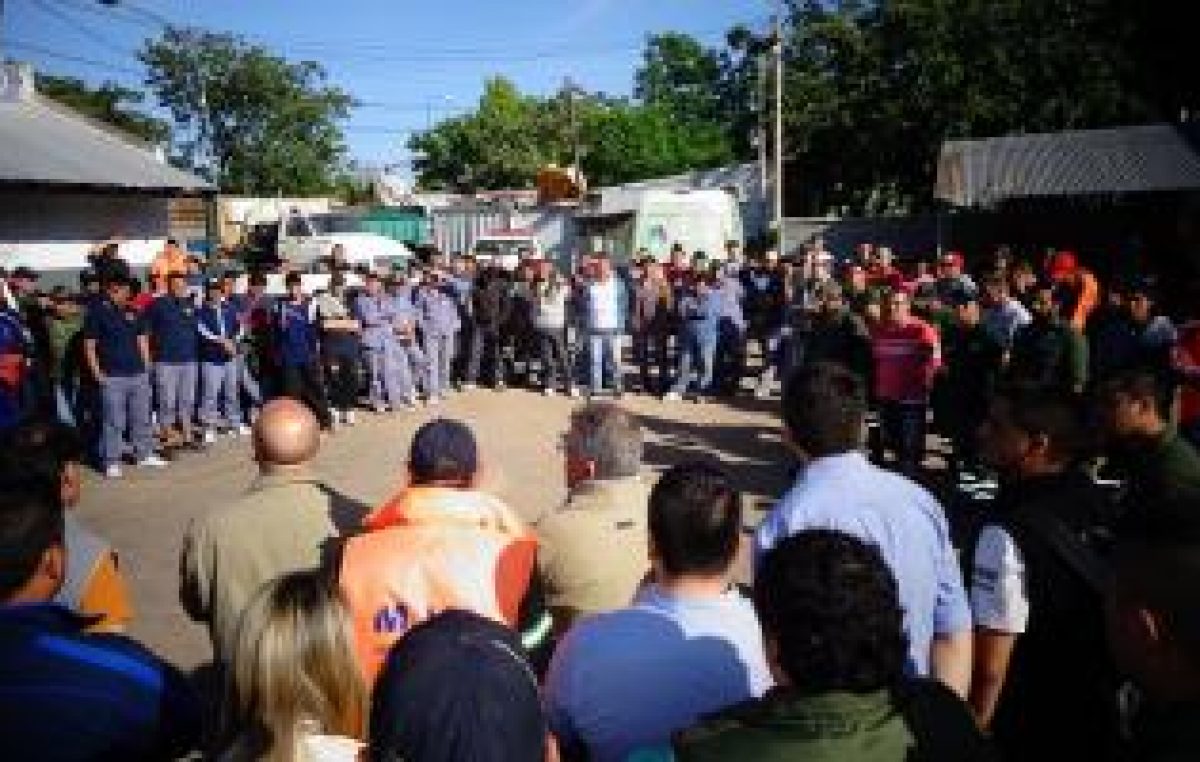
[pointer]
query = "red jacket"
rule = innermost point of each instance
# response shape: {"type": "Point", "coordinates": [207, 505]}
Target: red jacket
{"type": "Point", "coordinates": [906, 359]}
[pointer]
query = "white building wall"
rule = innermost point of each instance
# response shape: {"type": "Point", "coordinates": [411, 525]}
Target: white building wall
{"type": "Point", "coordinates": [56, 231]}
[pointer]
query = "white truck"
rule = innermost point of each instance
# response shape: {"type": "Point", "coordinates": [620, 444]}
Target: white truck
{"type": "Point", "coordinates": [507, 247]}
{"type": "Point", "coordinates": [627, 221]}
{"type": "Point", "coordinates": [304, 240]}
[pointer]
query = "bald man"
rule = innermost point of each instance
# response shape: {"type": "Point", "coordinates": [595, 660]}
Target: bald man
{"type": "Point", "coordinates": [286, 521]}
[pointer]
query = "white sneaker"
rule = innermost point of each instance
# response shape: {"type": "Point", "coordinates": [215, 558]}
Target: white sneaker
{"type": "Point", "coordinates": [349, 417]}
{"type": "Point", "coordinates": [152, 461]}
{"type": "Point", "coordinates": [112, 472]}
{"type": "Point", "coordinates": [469, 387]}
{"type": "Point", "coordinates": [548, 392]}
{"type": "Point", "coordinates": [243, 430]}
{"type": "Point", "coordinates": [210, 436]}
{"type": "Point", "coordinates": [574, 393]}
{"type": "Point", "coordinates": [672, 397]}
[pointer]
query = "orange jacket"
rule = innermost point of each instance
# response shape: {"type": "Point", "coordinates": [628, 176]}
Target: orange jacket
{"type": "Point", "coordinates": [430, 549]}
{"type": "Point", "coordinates": [1087, 299]}
{"type": "Point", "coordinates": [169, 260]}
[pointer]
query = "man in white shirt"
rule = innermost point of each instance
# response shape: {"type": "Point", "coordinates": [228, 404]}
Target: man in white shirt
{"type": "Point", "coordinates": [689, 645]}
{"type": "Point", "coordinates": [606, 307]}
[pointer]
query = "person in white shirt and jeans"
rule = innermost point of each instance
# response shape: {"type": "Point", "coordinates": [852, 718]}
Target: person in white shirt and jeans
{"type": "Point", "coordinates": [606, 304]}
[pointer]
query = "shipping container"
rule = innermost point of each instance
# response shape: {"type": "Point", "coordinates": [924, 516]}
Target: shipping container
{"type": "Point", "coordinates": [455, 229]}
{"type": "Point", "coordinates": [407, 224]}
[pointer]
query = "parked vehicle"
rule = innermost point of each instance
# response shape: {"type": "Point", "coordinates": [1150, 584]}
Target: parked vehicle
{"type": "Point", "coordinates": [654, 220]}
{"type": "Point", "coordinates": [305, 240]}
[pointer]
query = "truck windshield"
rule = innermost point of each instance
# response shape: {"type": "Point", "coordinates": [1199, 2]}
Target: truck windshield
{"type": "Point", "coordinates": [324, 224]}
{"type": "Point", "coordinates": [492, 247]}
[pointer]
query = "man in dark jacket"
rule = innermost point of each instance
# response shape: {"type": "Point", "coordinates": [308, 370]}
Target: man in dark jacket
{"type": "Point", "coordinates": [831, 617]}
{"type": "Point", "coordinates": [1048, 353]}
{"type": "Point", "coordinates": [1043, 682]}
{"type": "Point", "coordinates": [972, 364]}
{"type": "Point", "coordinates": [1162, 470]}
{"type": "Point", "coordinates": [837, 334]}
{"type": "Point", "coordinates": [491, 304]}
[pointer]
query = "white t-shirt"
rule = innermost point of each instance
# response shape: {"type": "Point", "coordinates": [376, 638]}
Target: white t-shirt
{"type": "Point", "coordinates": [999, 597]}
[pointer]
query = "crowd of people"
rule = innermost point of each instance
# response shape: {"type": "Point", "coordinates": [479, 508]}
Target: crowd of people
{"type": "Point", "coordinates": [883, 621]}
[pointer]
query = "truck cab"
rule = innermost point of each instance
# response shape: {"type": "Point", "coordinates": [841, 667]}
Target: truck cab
{"type": "Point", "coordinates": [306, 240]}
{"type": "Point", "coordinates": [508, 248]}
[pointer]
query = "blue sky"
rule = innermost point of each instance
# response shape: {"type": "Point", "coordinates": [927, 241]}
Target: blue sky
{"type": "Point", "coordinates": [409, 59]}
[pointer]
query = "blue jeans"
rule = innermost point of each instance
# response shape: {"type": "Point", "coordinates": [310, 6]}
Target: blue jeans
{"type": "Point", "coordinates": [439, 351]}
{"type": "Point", "coordinates": [220, 397]}
{"type": "Point", "coordinates": [125, 405]}
{"type": "Point", "coordinates": [605, 357]}
{"type": "Point", "coordinates": [175, 386]}
{"type": "Point", "coordinates": [697, 353]}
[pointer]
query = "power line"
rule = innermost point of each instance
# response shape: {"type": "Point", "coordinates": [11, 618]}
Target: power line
{"type": "Point", "coordinates": [53, 54]}
{"type": "Point", "coordinates": [75, 26]}
{"type": "Point", "coordinates": [108, 12]}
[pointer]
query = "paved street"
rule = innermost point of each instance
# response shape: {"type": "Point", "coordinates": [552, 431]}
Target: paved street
{"type": "Point", "coordinates": [146, 514]}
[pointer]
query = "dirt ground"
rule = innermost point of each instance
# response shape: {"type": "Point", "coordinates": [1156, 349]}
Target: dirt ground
{"type": "Point", "coordinates": [145, 515]}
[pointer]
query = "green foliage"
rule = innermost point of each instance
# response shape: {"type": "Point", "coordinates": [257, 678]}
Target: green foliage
{"type": "Point", "coordinates": [510, 136]}
{"type": "Point", "coordinates": [110, 103]}
{"type": "Point", "coordinates": [251, 120]}
{"type": "Point", "coordinates": [874, 88]}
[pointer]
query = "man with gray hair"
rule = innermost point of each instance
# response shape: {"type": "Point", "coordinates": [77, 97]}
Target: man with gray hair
{"type": "Point", "coordinates": [593, 551]}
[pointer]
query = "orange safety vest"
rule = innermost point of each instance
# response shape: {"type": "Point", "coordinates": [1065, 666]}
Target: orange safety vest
{"type": "Point", "coordinates": [427, 550]}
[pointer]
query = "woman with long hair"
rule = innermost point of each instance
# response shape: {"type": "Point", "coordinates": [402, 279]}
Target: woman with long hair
{"type": "Point", "coordinates": [294, 689]}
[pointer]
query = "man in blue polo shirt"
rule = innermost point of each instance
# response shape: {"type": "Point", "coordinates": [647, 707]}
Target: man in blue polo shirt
{"type": "Point", "coordinates": [824, 411]}
{"type": "Point", "coordinates": [117, 349]}
{"type": "Point", "coordinates": [295, 322]}
{"type": "Point", "coordinates": [66, 694]}
{"type": "Point", "coordinates": [172, 323]}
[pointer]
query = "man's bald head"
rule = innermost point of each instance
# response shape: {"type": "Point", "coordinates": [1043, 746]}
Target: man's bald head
{"type": "Point", "coordinates": [285, 434]}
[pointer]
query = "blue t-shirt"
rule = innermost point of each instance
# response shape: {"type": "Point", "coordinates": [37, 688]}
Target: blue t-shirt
{"type": "Point", "coordinates": [628, 679]}
{"type": "Point", "coordinates": [69, 695]}
{"type": "Point", "coordinates": [297, 328]}
{"type": "Point", "coordinates": [116, 331]}
{"type": "Point", "coordinates": [173, 333]}
{"type": "Point", "coordinates": [848, 494]}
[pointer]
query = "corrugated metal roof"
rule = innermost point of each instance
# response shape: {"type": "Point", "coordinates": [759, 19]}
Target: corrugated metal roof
{"type": "Point", "coordinates": [42, 142]}
{"type": "Point", "coordinates": [1141, 159]}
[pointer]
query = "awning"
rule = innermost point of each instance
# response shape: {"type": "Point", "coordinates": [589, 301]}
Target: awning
{"type": "Point", "coordinates": [1124, 160]}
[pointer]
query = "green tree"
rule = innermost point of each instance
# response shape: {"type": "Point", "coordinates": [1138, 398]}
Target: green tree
{"type": "Point", "coordinates": [627, 142]}
{"type": "Point", "coordinates": [110, 103]}
{"type": "Point", "coordinates": [680, 76]}
{"type": "Point", "coordinates": [497, 146]}
{"type": "Point", "coordinates": [253, 121]}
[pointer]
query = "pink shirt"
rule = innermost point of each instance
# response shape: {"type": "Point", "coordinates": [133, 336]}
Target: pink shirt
{"type": "Point", "coordinates": [906, 358]}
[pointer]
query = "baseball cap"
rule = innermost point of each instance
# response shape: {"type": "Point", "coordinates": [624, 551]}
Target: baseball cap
{"type": "Point", "coordinates": [443, 449]}
{"type": "Point", "coordinates": [1063, 263]}
{"type": "Point", "coordinates": [961, 297]}
{"type": "Point", "coordinates": [457, 686]}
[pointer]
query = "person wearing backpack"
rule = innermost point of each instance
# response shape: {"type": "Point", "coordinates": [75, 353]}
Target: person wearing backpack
{"type": "Point", "coordinates": [1043, 683]}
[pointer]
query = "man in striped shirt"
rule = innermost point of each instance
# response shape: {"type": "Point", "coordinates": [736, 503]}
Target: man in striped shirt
{"type": "Point", "coordinates": [907, 355]}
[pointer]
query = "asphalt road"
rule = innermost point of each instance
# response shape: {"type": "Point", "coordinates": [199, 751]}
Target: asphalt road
{"type": "Point", "coordinates": [144, 516]}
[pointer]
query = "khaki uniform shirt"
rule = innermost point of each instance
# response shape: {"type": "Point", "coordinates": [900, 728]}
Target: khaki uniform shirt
{"type": "Point", "coordinates": [594, 549]}
{"type": "Point", "coordinates": [285, 522]}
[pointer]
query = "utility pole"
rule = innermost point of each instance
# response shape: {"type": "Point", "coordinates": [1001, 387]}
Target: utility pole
{"type": "Point", "coordinates": [569, 86]}
{"type": "Point", "coordinates": [777, 47]}
{"type": "Point", "coordinates": [761, 135]}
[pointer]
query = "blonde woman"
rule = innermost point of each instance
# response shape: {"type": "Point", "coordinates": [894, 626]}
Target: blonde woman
{"type": "Point", "coordinates": [294, 690]}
